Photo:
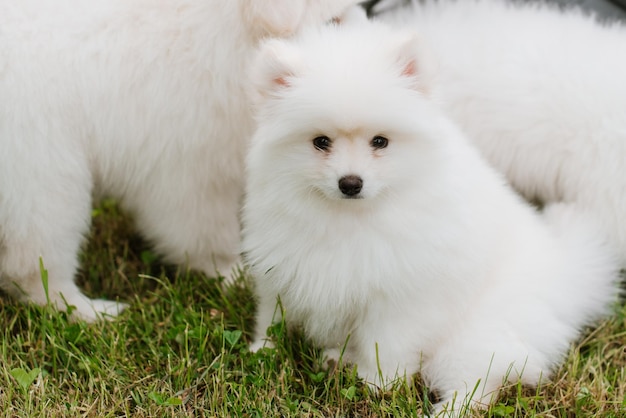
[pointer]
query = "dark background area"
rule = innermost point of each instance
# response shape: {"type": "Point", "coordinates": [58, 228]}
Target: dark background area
{"type": "Point", "coordinates": [603, 9]}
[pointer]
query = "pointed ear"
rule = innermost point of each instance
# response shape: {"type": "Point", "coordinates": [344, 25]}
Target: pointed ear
{"type": "Point", "coordinates": [353, 14]}
{"type": "Point", "coordinates": [274, 68]}
{"type": "Point", "coordinates": [416, 63]}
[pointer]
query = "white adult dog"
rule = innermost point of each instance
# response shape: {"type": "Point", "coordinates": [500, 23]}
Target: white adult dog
{"type": "Point", "coordinates": [542, 94]}
{"type": "Point", "coordinates": [143, 100]}
{"type": "Point", "coordinates": [388, 238]}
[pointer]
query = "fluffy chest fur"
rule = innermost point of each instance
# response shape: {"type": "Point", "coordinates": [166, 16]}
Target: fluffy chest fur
{"type": "Point", "coordinates": [331, 263]}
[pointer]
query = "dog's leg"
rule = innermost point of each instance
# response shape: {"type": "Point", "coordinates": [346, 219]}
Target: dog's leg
{"type": "Point", "coordinates": [468, 370]}
{"type": "Point", "coordinates": [192, 221]}
{"type": "Point", "coordinates": [269, 312]}
{"type": "Point", "coordinates": [384, 348]}
{"type": "Point", "coordinates": [45, 215]}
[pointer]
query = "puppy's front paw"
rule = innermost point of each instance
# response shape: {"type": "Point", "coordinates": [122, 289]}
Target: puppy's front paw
{"type": "Point", "coordinates": [332, 358]}
{"type": "Point", "coordinates": [444, 410]}
{"type": "Point", "coordinates": [230, 271]}
{"type": "Point", "coordinates": [97, 309]}
{"type": "Point", "coordinates": [455, 404]}
{"type": "Point", "coordinates": [259, 344]}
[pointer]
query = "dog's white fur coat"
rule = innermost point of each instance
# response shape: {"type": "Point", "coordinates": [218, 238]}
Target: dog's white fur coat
{"type": "Point", "coordinates": [542, 94]}
{"type": "Point", "coordinates": [437, 266]}
{"type": "Point", "coordinates": [142, 100]}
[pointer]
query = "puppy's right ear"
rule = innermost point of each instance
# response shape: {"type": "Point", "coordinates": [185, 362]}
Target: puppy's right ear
{"type": "Point", "coordinates": [276, 65]}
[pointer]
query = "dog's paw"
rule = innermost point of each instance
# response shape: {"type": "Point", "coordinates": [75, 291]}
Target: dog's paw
{"type": "Point", "coordinates": [332, 354]}
{"type": "Point", "coordinates": [229, 273]}
{"type": "Point", "coordinates": [456, 404]}
{"type": "Point", "coordinates": [331, 358]}
{"type": "Point", "coordinates": [260, 344]}
{"type": "Point", "coordinates": [443, 409]}
{"type": "Point", "coordinates": [92, 310]}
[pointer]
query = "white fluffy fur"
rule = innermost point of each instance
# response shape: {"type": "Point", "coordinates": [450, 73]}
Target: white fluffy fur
{"type": "Point", "coordinates": [438, 267]}
{"type": "Point", "coordinates": [542, 94]}
{"type": "Point", "coordinates": [143, 100]}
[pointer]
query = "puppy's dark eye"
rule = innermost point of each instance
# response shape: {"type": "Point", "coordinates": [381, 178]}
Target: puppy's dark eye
{"type": "Point", "coordinates": [322, 142]}
{"type": "Point", "coordinates": [379, 142]}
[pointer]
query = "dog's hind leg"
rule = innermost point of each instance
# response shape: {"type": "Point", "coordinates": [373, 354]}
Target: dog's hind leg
{"type": "Point", "coordinates": [45, 213]}
{"type": "Point", "coordinates": [192, 219]}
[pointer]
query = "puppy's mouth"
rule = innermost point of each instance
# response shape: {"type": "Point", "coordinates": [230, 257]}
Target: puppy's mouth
{"type": "Point", "coordinates": [355, 197]}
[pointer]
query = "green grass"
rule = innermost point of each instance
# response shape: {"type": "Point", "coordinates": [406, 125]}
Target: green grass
{"type": "Point", "coordinates": [181, 350]}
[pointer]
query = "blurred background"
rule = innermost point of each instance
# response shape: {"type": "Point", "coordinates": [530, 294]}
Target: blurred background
{"type": "Point", "coordinates": [603, 9]}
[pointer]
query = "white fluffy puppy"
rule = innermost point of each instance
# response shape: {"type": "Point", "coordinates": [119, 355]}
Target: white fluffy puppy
{"type": "Point", "coordinates": [383, 231]}
{"type": "Point", "coordinates": [542, 94]}
{"type": "Point", "coordinates": [143, 100]}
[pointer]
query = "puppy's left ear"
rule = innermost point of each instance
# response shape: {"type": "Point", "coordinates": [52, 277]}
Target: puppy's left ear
{"type": "Point", "coordinates": [275, 67]}
{"type": "Point", "coordinates": [416, 63]}
{"type": "Point", "coordinates": [352, 15]}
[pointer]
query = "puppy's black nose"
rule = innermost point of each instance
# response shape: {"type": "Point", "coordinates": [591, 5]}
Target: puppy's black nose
{"type": "Point", "coordinates": [350, 185]}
